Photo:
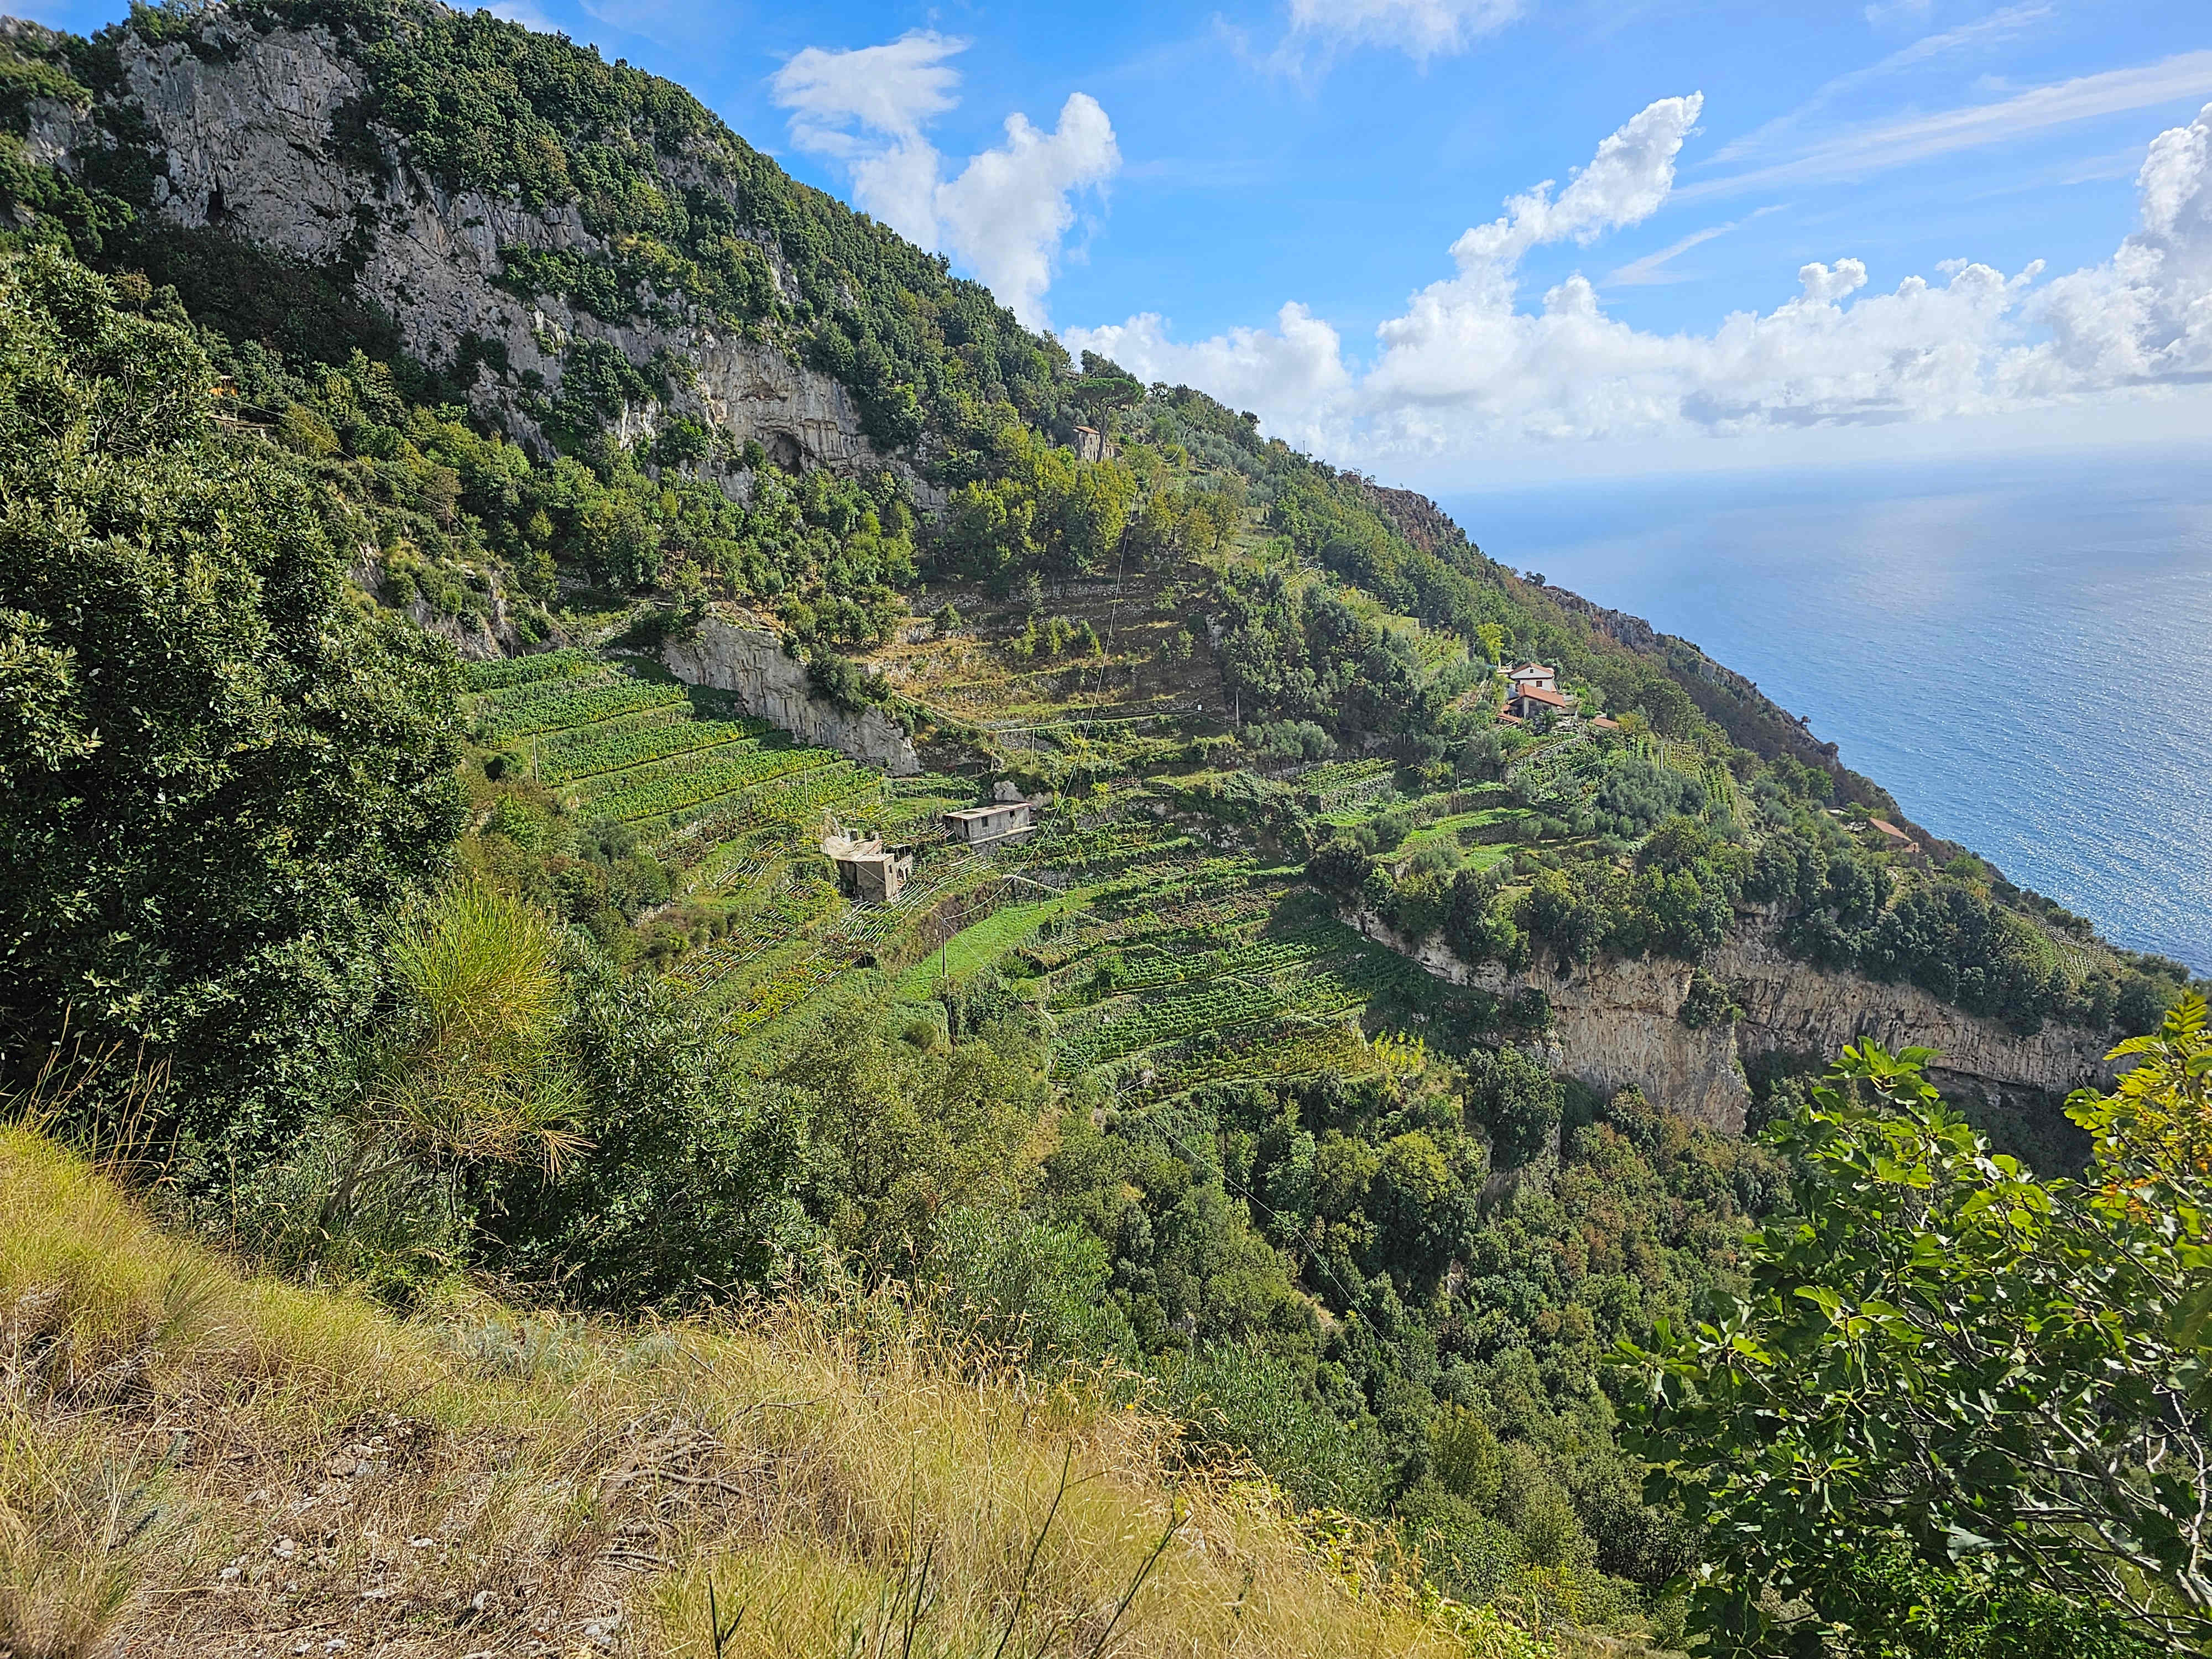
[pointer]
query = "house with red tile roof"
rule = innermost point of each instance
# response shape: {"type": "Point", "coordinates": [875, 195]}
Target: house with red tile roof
{"type": "Point", "coordinates": [1528, 700]}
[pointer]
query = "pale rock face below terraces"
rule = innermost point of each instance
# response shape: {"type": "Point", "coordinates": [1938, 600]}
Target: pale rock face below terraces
{"type": "Point", "coordinates": [749, 664]}
{"type": "Point", "coordinates": [1616, 1026]}
{"type": "Point", "coordinates": [247, 144]}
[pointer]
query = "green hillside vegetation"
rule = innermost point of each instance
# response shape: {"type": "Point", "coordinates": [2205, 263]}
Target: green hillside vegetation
{"type": "Point", "coordinates": [420, 981]}
{"type": "Point", "coordinates": [203, 1461]}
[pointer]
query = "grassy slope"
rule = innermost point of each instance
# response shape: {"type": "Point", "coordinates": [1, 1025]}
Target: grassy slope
{"type": "Point", "coordinates": [215, 1463]}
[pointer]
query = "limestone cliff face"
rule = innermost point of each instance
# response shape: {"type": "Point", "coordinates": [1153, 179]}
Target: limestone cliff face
{"type": "Point", "coordinates": [245, 140]}
{"type": "Point", "coordinates": [1616, 1026]}
{"type": "Point", "coordinates": [751, 663]}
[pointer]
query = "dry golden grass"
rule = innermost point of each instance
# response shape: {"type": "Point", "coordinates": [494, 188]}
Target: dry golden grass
{"type": "Point", "coordinates": [193, 1461]}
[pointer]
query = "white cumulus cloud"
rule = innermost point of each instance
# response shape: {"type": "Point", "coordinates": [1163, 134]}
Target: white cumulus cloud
{"type": "Point", "coordinates": [1466, 364]}
{"type": "Point", "coordinates": [1423, 29]}
{"type": "Point", "coordinates": [1624, 184]}
{"type": "Point", "coordinates": [1294, 370]}
{"type": "Point", "coordinates": [1009, 210]}
{"type": "Point", "coordinates": [2147, 316]}
{"type": "Point", "coordinates": [1007, 213]}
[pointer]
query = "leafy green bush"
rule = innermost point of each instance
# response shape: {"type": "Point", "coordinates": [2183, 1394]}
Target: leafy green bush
{"type": "Point", "coordinates": [1945, 1362]}
{"type": "Point", "coordinates": [1024, 1285]}
{"type": "Point", "coordinates": [1239, 1400]}
{"type": "Point", "coordinates": [1516, 1100]}
{"type": "Point", "coordinates": [220, 772]}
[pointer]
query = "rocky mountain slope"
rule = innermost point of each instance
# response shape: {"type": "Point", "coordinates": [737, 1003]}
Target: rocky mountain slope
{"type": "Point", "coordinates": [1619, 1025]}
{"type": "Point", "coordinates": [332, 154]}
{"type": "Point", "coordinates": [1337, 1067]}
{"type": "Point", "coordinates": [258, 133]}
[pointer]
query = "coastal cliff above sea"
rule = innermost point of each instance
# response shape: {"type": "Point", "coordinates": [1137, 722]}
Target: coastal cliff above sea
{"type": "Point", "coordinates": [715, 956]}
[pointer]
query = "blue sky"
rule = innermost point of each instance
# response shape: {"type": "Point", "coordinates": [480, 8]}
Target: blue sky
{"type": "Point", "coordinates": [1185, 173]}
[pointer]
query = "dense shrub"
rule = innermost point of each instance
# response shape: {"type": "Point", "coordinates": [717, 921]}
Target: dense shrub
{"type": "Point", "coordinates": [221, 774]}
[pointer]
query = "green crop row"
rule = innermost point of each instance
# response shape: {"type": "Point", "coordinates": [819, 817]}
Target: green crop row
{"type": "Point", "coordinates": [1153, 968]}
{"type": "Point", "coordinates": [642, 746]}
{"type": "Point", "coordinates": [1216, 1005]}
{"type": "Point", "coordinates": [509, 698]}
{"type": "Point", "coordinates": [794, 802]}
{"type": "Point", "coordinates": [1338, 773]}
{"type": "Point", "coordinates": [502, 672]}
{"type": "Point", "coordinates": [664, 793]}
{"type": "Point", "coordinates": [584, 708]}
{"type": "Point", "coordinates": [1285, 1050]}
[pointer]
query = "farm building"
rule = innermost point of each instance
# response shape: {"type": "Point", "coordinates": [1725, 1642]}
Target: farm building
{"type": "Point", "coordinates": [1008, 814]}
{"type": "Point", "coordinates": [866, 869]}
{"type": "Point", "coordinates": [1529, 699]}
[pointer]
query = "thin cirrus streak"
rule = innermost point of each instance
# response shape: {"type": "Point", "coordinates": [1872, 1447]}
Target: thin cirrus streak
{"type": "Point", "coordinates": [1889, 144]}
{"type": "Point", "coordinates": [1982, 33]}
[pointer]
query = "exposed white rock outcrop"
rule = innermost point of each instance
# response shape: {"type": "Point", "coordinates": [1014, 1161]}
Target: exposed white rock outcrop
{"type": "Point", "coordinates": [246, 140]}
{"type": "Point", "coordinates": [749, 664]}
{"type": "Point", "coordinates": [1615, 1024]}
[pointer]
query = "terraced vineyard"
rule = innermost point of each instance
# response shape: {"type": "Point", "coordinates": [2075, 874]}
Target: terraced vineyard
{"type": "Point", "coordinates": [614, 751]}
{"type": "Point", "coordinates": [568, 704]}
{"type": "Point", "coordinates": [1158, 958]}
{"type": "Point", "coordinates": [1558, 770]}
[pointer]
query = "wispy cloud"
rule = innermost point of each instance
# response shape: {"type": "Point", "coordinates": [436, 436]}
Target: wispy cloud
{"type": "Point", "coordinates": [1421, 28]}
{"type": "Point", "coordinates": [1883, 145]}
{"type": "Point", "coordinates": [525, 13]}
{"type": "Point", "coordinates": [1466, 366]}
{"type": "Point", "coordinates": [1998, 26]}
{"type": "Point", "coordinates": [1651, 270]}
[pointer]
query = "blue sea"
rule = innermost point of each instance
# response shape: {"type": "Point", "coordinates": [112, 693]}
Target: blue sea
{"type": "Point", "coordinates": [2022, 653]}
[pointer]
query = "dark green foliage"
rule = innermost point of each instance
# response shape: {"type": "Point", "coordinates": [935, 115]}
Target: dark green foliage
{"type": "Point", "coordinates": [1238, 1400]}
{"type": "Point", "coordinates": [683, 1193]}
{"type": "Point", "coordinates": [222, 773]}
{"type": "Point", "coordinates": [835, 677]}
{"type": "Point", "coordinates": [1676, 898]}
{"type": "Point", "coordinates": [1947, 934]}
{"type": "Point", "coordinates": [898, 1134]}
{"type": "Point", "coordinates": [1516, 1100]}
{"type": "Point", "coordinates": [1889, 1605]}
{"type": "Point", "coordinates": [1949, 1382]}
{"type": "Point", "coordinates": [1341, 863]}
{"type": "Point", "coordinates": [1952, 941]}
{"type": "Point", "coordinates": [1042, 510]}
{"type": "Point", "coordinates": [1709, 1002]}
{"type": "Point", "coordinates": [1302, 652]}
{"type": "Point", "coordinates": [1634, 796]}
{"type": "Point", "coordinates": [1024, 1287]}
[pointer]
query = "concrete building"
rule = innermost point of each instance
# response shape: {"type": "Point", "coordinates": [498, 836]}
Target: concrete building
{"type": "Point", "coordinates": [866, 869]}
{"type": "Point", "coordinates": [1534, 673]}
{"type": "Point", "coordinates": [1008, 814]}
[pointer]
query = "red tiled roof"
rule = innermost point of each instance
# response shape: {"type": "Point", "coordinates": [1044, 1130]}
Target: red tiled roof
{"type": "Point", "coordinates": [1538, 693]}
{"type": "Point", "coordinates": [1889, 830]}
